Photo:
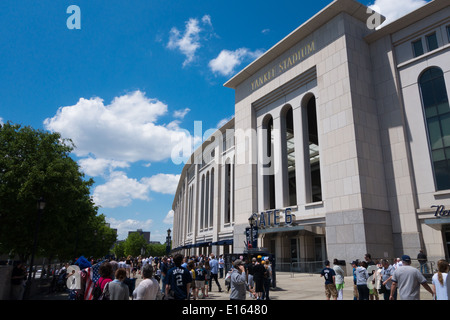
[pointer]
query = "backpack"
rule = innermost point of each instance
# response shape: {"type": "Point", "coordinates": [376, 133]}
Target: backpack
{"type": "Point", "coordinates": [97, 290]}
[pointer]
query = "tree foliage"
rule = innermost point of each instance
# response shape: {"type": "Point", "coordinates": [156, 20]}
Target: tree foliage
{"type": "Point", "coordinates": [34, 164]}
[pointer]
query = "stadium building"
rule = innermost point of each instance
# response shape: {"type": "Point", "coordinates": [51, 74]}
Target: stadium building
{"type": "Point", "coordinates": [338, 146]}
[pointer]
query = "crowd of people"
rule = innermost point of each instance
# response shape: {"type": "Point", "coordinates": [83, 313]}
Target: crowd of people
{"type": "Point", "coordinates": [178, 277]}
{"type": "Point", "coordinates": [192, 277]}
{"type": "Point", "coordinates": [373, 279]}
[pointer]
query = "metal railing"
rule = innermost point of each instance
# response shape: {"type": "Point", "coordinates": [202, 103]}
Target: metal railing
{"type": "Point", "coordinates": [305, 267]}
{"type": "Point", "coordinates": [315, 267]}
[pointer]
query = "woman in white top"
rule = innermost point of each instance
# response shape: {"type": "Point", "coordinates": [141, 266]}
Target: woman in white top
{"type": "Point", "coordinates": [339, 279]}
{"type": "Point", "coordinates": [147, 288]}
{"type": "Point", "coordinates": [439, 281]}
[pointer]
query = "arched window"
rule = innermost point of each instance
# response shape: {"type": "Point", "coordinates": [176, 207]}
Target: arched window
{"type": "Point", "coordinates": [437, 114]}
{"type": "Point", "coordinates": [290, 155]}
{"type": "Point", "coordinates": [205, 226]}
{"type": "Point", "coordinates": [312, 146]}
{"type": "Point", "coordinates": [202, 202]}
{"type": "Point", "coordinates": [211, 200]}
{"type": "Point", "coordinates": [227, 192]}
{"type": "Point", "coordinates": [268, 165]}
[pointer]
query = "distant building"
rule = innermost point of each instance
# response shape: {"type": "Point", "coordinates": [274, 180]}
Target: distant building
{"type": "Point", "coordinates": [145, 234]}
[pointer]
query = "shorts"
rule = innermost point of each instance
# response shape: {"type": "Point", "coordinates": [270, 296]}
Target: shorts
{"type": "Point", "coordinates": [330, 290]}
{"type": "Point", "coordinates": [340, 286]}
{"type": "Point", "coordinates": [200, 284]}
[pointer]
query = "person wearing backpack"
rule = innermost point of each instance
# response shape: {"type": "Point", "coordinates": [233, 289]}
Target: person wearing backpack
{"type": "Point", "coordinates": [106, 275]}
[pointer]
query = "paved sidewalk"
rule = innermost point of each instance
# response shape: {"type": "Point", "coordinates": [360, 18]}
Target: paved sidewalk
{"type": "Point", "coordinates": [300, 286]}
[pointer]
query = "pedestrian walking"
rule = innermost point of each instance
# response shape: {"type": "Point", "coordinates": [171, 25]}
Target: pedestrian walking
{"type": "Point", "coordinates": [214, 264]}
{"type": "Point", "coordinates": [200, 275]}
{"type": "Point", "coordinates": [178, 280]}
{"type": "Point", "coordinates": [106, 275]}
{"type": "Point", "coordinates": [422, 257]}
{"type": "Point", "coordinates": [18, 276]}
{"type": "Point", "coordinates": [361, 281]}
{"type": "Point", "coordinates": [221, 266]}
{"type": "Point", "coordinates": [207, 276]}
{"type": "Point", "coordinates": [258, 277]}
{"type": "Point", "coordinates": [118, 290]}
{"type": "Point", "coordinates": [267, 279]}
{"type": "Point", "coordinates": [386, 279]}
{"type": "Point", "coordinates": [238, 281]}
{"type": "Point", "coordinates": [408, 281]}
{"type": "Point", "coordinates": [339, 280]}
{"type": "Point", "coordinates": [355, 287]}
{"type": "Point", "coordinates": [330, 286]}
{"type": "Point", "coordinates": [249, 267]}
{"type": "Point", "coordinates": [148, 288]}
{"type": "Point", "coordinates": [439, 281]}
{"type": "Point", "coordinates": [164, 268]}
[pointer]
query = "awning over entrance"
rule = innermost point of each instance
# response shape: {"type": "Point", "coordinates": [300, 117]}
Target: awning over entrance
{"type": "Point", "coordinates": [223, 242]}
{"type": "Point", "coordinates": [319, 229]}
{"type": "Point", "coordinates": [437, 222]}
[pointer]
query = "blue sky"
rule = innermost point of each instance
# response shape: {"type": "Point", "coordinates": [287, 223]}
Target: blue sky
{"type": "Point", "coordinates": [128, 86]}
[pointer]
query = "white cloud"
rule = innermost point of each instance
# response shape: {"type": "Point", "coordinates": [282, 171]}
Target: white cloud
{"type": "Point", "coordinates": [98, 167]}
{"type": "Point", "coordinates": [222, 122]}
{"type": "Point", "coordinates": [169, 217]}
{"type": "Point", "coordinates": [188, 42]}
{"type": "Point", "coordinates": [123, 226]}
{"type": "Point", "coordinates": [120, 190]}
{"type": "Point", "coordinates": [163, 183]}
{"type": "Point", "coordinates": [181, 113]}
{"type": "Point", "coordinates": [124, 130]}
{"type": "Point", "coordinates": [1, 121]}
{"type": "Point", "coordinates": [226, 62]}
{"type": "Point", "coordinates": [206, 19]}
{"type": "Point", "coordinates": [393, 10]}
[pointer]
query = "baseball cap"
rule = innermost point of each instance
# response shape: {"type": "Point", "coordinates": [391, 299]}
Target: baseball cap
{"type": "Point", "coordinates": [354, 262]}
{"type": "Point", "coordinates": [406, 258]}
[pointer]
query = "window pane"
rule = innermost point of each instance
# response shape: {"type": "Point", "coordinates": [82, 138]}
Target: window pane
{"type": "Point", "coordinates": [443, 108]}
{"type": "Point", "coordinates": [441, 170]}
{"type": "Point", "coordinates": [438, 155]}
{"type": "Point", "coordinates": [448, 33]}
{"type": "Point", "coordinates": [430, 112]}
{"type": "Point", "coordinates": [290, 150]}
{"type": "Point", "coordinates": [432, 42]}
{"type": "Point", "coordinates": [417, 48]}
{"type": "Point", "coordinates": [435, 134]}
{"type": "Point", "coordinates": [445, 125]}
{"type": "Point", "coordinates": [427, 94]}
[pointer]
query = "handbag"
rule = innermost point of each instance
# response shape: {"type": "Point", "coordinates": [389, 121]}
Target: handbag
{"type": "Point", "coordinates": [382, 288]}
{"type": "Point", "coordinates": [105, 294]}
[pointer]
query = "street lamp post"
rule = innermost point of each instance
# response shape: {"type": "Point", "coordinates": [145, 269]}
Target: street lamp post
{"type": "Point", "coordinates": [251, 221]}
{"type": "Point", "coordinates": [40, 207]}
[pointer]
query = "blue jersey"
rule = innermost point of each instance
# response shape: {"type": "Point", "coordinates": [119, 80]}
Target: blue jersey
{"type": "Point", "coordinates": [200, 274]}
{"type": "Point", "coordinates": [178, 278]}
{"type": "Point", "coordinates": [328, 274]}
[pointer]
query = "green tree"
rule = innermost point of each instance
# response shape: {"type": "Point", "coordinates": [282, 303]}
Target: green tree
{"type": "Point", "coordinates": [157, 250]}
{"type": "Point", "coordinates": [34, 164]}
{"type": "Point", "coordinates": [134, 243]}
{"type": "Point", "coordinates": [119, 249]}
